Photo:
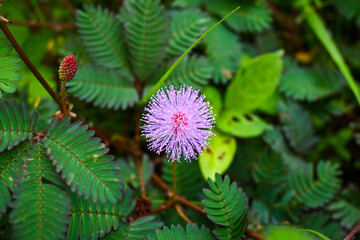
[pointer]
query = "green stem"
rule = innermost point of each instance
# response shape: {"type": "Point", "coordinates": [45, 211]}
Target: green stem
{"type": "Point", "coordinates": [166, 75]}
{"type": "Point", "coordinates": [319, 28]}
{"type": "Point", "coordinates": [63, 98]}
{"type": "Point", "coordinates": [174, 183]}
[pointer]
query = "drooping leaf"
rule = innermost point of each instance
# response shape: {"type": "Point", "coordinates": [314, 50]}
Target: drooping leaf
{"type": "Point", "coordinates": [105, 88]}
{"type": "Point", "coordinates": [226, 205]}
{"type": "Point", "coordinates": [40, 210]}
{"type": "Point", "coordinates": [103, 37]}
{"type": "Point", "coordinates": [219, 156]}
{"type": "Point", "coordinates": [146, 35]}
{"type": "Point", "coordinates": [82, 161]}
{"type": "Point", "coordinates": [270, 169]}
{"type": "Point", "coordinates": [254, 82]}
{"type": "Point", "coordinates": [345, 213]}
{"type": "Point", "coordinates": [16, 125]}
{"type": "Point", "coordinates": [185, 27]}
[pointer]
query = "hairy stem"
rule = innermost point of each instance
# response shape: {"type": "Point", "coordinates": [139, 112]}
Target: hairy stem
{"type": "Point", "coordinates": [352, 233]}
{"type": "Point", "coordinates": [18, 49]}
{"type": "Point", "coordinates": [63, 98]}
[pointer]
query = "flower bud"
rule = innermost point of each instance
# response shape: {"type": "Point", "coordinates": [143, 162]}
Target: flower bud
{"type": "Point", "coordinates": [68, 68]}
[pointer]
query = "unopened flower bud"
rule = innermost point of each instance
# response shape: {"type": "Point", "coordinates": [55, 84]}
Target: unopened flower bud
{"type": "Point", "coordinates": [68, 68]}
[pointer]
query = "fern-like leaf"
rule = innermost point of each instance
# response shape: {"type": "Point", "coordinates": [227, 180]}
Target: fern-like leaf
{"type": "Point", "coordinates": [105, 88]}
{"type": "Point", "coordinates": [82, 161]}
{"type": "Point", "coordinates": [146, 34]}
{"type": "Point", "coordinates": [9, 67]}
{"type": "Point", "coordinates": [130, 172]}
{"type": "Point", "coordinates": [270, 168]}
{"type": "Point", "coordinates": [223, 49]}
{"type": "Point", "coordinates": [315, 192]}
{"type": "Point", "coordinates": [93, 220]}
{"type": "Point", "coordinates": [16, 125]}
{"type": "Point", "coordinates": [138, 229]}
{"type": "Point", "coordinates": [226, 206]}
{"type": "Point", "coordinates": [40, 210]}
{"type": "Point", "coordinates": [178, 232]}
{"type": "Point", "coordinates": [297, 124]}
{"type": "Point", "coordinates": [309, 83]}
{"type": "Point", "coordinates": [251, 17]}
{"type": "Point", "coordinates": [10, 162]}
{"type": "Point", "coordinates": [103, 37]}
{"type": "Point", "coordinates": [188, 177]}
{"type": "Point", "coordinates": [186, 26]}
{"type": "Point", "coordinates": [345, 212]}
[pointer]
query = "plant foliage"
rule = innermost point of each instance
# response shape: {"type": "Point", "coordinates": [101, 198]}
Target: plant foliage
{"type": "Point", "coordinates": [178, 232]}
{"type": "Point", "coordinates": [226, 205]}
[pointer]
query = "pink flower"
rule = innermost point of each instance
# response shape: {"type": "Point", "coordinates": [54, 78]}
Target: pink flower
{"type": "Point", "coordinates": [68, 68]}
{"type": "Point", "coordinates": [179, 122]}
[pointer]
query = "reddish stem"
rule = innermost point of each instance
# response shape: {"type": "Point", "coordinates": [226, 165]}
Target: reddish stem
{"type": "Point", "coordinates": [352, 233]}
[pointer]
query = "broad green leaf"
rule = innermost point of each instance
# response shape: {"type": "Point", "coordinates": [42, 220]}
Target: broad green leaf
{"type": "Point", "coordinates": [254, 83]}
{"type": "Point", "coordinates": [241, 125]}
{"type": "Point", "coordinates": [219, 156]}
{"type": "Point", "coordinates": [214, 97]}
{"type": "Point", "coordinates": [281, 233]}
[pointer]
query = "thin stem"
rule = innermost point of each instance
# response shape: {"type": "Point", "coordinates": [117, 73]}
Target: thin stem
{"type": "Point", "coordinates": [182, 214]}
{"type": "Point", "coordinates": [63, 98]}
{"type": "Point", "coordinates": [69, 5]}
{"type": "Point", "coordinates": [352, 233]}
{"type": "Point", "coordinates": [14, 43]}
{"type": "Point", "coordinates": [159, 209]}
{"type": "Point", "coordinates": [187, 203]}
{"type": "Point", "coordinates": [174, 183]}
{"type": "Point", "coordinates": [58, 27]}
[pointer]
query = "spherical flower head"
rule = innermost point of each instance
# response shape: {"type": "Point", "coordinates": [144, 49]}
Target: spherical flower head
{"type": "Point", "coordinates": [68, 68]}
{"type": "Point", "coordinates": [179, 122]}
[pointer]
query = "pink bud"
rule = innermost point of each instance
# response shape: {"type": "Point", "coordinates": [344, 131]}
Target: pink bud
{"type": "Point", "coordinates": [68, 68]}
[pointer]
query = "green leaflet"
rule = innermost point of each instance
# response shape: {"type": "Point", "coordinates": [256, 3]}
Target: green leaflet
{"type": "Point", "coordinates": [219, 156]}
{"type": "Point", "coordinates": [178, 232]}
{"type": "Point", "coordinates": [226, 205]}
{"type": "Point", "coordinates": [146, 35]}
{"type": "Point", "coordinates": [222, 48]}
{"type": "Point", "coordinates": [16, 125]}
{"type": "Point", "coordinates": [9, 67]}
{"type": "Point", "coordinates": [113, 89]}
{"type": "Point", "coordinates": [82, 161]}
{"type": "Point", "coordinates": [254, 82]}
{"type": "Point", "coordinates": [310, 84]}
{"type": "Point", "coordinates": [39, 205]}
{"type": "Point", "coordinates": [91, 220]}
{"type": "Point", "coordinates": [311, 191]}
{"type": "Point", "coordinates": [103, 37]}
{"type": "Point", "coordinates": [138, 229]}
{"type": "Point", "coordinates": [297, 125]}
{"type": "Point", "coordinates": [252, 17]}
{"type": "Point", "coordinates": [185, 27]}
